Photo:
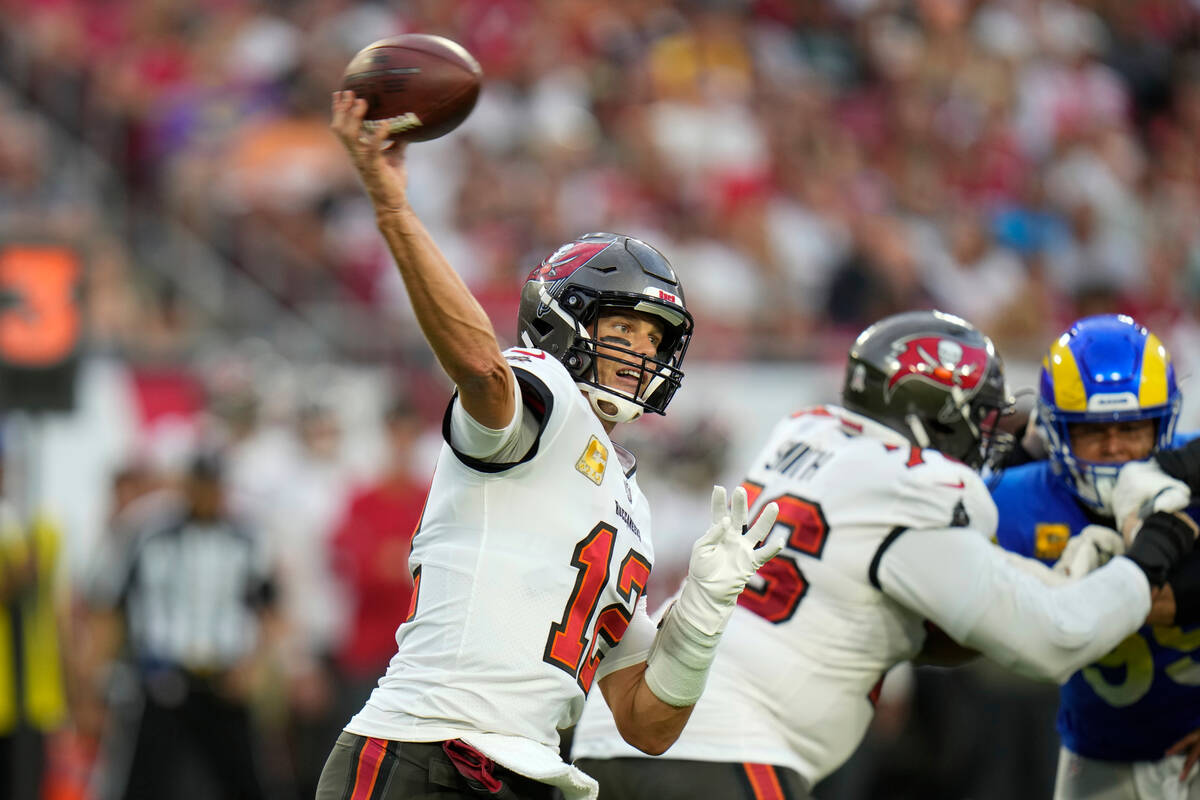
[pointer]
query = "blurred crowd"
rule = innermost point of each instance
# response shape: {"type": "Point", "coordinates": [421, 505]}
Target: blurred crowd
{"type": "Point", "coordinates": [807, 165]}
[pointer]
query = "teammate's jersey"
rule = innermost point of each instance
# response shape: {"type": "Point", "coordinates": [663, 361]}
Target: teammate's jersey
{"type": "Point", "coordinates": [796, 675]}
{"type": "Point", "coordinates": [1141, 698]}
{"type": "Point", "coordinates": [526, 575]}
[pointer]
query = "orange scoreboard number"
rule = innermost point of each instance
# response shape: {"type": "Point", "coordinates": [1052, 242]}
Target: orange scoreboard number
{"type": "Point", "coordinates": [40, 324]}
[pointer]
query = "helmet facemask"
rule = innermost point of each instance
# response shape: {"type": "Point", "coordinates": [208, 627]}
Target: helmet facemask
{"type": "Point", "coordinates": [967, 428]}
{"type": "Point", "coordinates": [658, 376]}
{"type": "Point", "coordinates": [1093, 481]}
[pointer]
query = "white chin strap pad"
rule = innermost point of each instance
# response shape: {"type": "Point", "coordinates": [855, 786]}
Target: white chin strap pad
{"type": "Point", "coordinates": [626, 411]}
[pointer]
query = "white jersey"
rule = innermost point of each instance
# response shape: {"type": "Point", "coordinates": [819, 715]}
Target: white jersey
{"type": "Point", "coordinates": [798, 668]}
{"type": "Point", "coordinates": [527, 575]}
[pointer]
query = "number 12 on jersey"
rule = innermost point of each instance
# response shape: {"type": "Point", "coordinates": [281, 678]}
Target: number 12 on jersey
{"type": "Point", "coordinates": [780, 585]}
{"type": "Point", "coordinates": [568, 645]}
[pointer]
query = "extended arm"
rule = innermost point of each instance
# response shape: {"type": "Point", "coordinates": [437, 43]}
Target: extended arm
{"type": "Point", "coordinates": [652, 699]}
{"type": "Point", "coordinates": [453, 322]}
{"type": "Point", "coordinates": [967, 587]}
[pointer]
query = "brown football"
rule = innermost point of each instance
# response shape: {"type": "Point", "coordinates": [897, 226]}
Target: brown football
{"type": "Point", "coordinates": [420, 86]}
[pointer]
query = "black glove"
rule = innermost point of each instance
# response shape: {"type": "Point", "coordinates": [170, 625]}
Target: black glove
{"type": "Point", "coordinates": [1162, 542]}
{"type": "Point", "coordinates": [1182, 463]}
{"type": "Point", "coordinates": [1185, 583]}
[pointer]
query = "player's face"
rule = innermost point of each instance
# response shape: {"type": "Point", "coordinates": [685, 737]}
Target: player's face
{"type": "Point", "coordinates": [641, 333]}
{"type": "Point", "coordinates": [1112, 442]}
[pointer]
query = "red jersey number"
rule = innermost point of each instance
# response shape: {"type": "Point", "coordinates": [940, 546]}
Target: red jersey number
{"type": "Point", "coordinates": [780, 585]}
{"type": "Point", "coordinates": [569, 645]}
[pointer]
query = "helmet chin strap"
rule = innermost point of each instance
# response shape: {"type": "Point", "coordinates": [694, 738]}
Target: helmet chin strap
{"type": "Point", "coordinates": [610, 406]}
{"type": "Point", "coordinates": [918, 430]}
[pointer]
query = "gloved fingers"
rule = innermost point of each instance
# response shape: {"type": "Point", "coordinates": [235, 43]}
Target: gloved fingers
{"type": "Point", "coordinates": [1105, 539]}
{"type": "Point", "coordinates": [763, 527]}
{"type": "Point", "coordinates": [1142, 488]}
{"type": "Point", "coordinates": [720, 507]}
{"type": "Point", "coordinates": [739, 510]}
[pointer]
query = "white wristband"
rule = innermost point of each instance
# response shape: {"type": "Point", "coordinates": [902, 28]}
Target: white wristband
{"type": "Point", "coordinates": [677, 667]}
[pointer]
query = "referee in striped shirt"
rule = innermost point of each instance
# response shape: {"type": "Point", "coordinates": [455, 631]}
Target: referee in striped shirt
{"type": "Point", "coordinates": [191, 596]}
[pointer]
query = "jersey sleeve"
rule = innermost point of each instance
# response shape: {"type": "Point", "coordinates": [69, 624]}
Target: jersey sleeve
{"type": "Point", "coordinates": [969, 589]}
{"type": "Point", "coordinates": [938, 492]}
{"type": "Point", "coordinates": [540, 380]}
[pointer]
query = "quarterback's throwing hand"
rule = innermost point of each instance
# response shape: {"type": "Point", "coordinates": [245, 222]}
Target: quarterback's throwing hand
{"type": "Point", "coordinates": [380, 162]}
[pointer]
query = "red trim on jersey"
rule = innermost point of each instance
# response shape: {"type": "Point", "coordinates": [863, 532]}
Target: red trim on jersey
{"type": "Point", "coordinates": [764, 782]}
{"type": "Point", "coordinates": [914, 457]}
{"type": "Point", "coordinates": [412, 604]}
{"type": "Point", "coordinates": [873, 695]}
{"type": "Point", "coordinates": [819, 411]}
{"type": "Point", "coordinates": [367, 771]}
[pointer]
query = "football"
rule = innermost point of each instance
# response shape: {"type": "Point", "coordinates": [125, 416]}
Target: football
{"type": "Point", "coordinates": [419, 86]}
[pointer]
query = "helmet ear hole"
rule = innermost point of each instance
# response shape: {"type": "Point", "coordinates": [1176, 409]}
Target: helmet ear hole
{"type": "Point", "coordinates": [541, 327]}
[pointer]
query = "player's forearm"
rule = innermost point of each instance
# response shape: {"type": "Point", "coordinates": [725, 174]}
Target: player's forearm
{"type": "Point", "coordinates": [1049, 633]}
{"type": "Point", "coordinates": [644, 721]}
{"type": "Point", "coordinates": [455, 325]}
{"type": "Point", "coordinates": [968, 588]}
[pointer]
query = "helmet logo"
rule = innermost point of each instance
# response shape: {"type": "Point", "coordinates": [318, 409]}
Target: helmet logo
{"type": "Point", "coordinates": [955, 365]}
{"type": "Point", "coordinates": [565, 260]}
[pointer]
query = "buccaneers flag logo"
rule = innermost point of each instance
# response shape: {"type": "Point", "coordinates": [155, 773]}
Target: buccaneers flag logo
{"type": "Point", "coordinates": [940, 361]}
{"type": "Point", "coordinates": [566, 259]}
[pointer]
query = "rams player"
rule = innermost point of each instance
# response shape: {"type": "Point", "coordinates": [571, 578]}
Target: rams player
{"type": "Point", "coordinates": [534, 547]}
{"type": "Point", "coordinates": [1108, 396]}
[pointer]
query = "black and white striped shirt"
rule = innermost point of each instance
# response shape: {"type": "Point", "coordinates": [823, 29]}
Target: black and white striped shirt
{"type": "Point", "coordinates": [191, 592]}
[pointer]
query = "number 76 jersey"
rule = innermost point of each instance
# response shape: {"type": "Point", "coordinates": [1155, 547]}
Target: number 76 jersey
{"type": "Point", "coordinates": [798, 669]}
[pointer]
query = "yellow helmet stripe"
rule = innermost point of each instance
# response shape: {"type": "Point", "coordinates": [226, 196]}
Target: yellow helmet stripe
{"type": "Point", "coordinates": [1152, 388]}
{"type": "Point", "coordinates": [1069, 394]}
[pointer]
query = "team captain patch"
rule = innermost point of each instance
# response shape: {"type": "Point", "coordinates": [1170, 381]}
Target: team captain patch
{"type": "Point", "coordinates": [593, 461]}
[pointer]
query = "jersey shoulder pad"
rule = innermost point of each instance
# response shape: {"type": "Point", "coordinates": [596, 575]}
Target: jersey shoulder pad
{"type": "Point", "coordinates": [532, 366]}
{"type": "Point", "coordinates": [933, 491]}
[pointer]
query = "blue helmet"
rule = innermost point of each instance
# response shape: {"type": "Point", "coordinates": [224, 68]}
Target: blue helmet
{"type": "Point", "coordinates": [1106, 368]}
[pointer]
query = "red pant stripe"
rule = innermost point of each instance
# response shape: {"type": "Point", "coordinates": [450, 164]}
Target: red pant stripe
{"type": "Point", "coordinates": [367, 771]}
{"type": "Point", "coordinates": [764, 782]}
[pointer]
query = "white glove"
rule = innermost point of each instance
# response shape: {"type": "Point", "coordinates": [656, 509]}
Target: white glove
{"type": "Point", "coordinates": [1143, 488]}
{"type": "Point", "coordinates": [1089, 549]}
{"type": "Point", "coordinates": [723, 559]}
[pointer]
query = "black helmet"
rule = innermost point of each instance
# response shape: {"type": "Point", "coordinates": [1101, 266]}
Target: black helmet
{"type": "Point", "coordinates": [563, 297]}
{"type": "Point", "coordinates": [934, 378]}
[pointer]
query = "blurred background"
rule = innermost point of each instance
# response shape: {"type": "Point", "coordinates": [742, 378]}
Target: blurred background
{"type": "Point", "coordinates": [196, 312]}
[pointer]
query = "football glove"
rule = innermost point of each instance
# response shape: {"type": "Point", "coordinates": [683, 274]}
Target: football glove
{"type": "Point", "coordinates": [1089, 549]}
{"type": "Point", "coordinates": [1182, 463]}
{"type": "Point", "coordinates": [722, 560]}
{"type": "Point", "coordinates": [1142, 489]}
{"type": "Point", "coordinates": [1161, 543]}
